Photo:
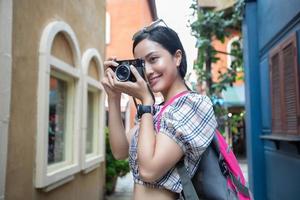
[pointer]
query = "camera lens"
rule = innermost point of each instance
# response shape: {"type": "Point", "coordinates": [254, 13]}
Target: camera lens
{"type": "Point", "coordinates": [123, 72]}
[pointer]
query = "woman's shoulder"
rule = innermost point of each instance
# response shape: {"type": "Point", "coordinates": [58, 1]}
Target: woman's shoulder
{"type": "Point", "coordinates": [193, 99]}
{"type": "Point", "coordinates": [190, 100]}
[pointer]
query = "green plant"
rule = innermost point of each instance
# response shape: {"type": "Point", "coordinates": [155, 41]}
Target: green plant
{"type": "Point", "coordinates": [213, 25]}
{"type": "Point", "coordinates": [216, 25]}
{"type": "Point", "coordinates": [114, 168]}
{"type": "Point", "coordinates": [234, 121]}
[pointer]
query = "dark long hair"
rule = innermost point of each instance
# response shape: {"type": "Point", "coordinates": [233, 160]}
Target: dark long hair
{"type": "Point", "coordinates": [169, 39]}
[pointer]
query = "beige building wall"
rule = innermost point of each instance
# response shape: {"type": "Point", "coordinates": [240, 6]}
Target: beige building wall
{"type": "Point", "coordinates": [30, 17]}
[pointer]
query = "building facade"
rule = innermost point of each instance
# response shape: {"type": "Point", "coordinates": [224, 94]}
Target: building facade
{"type": "Point", "coordinates": [233, 98]}
{"type": "Point", "coordinates": [52, 113]}
{"type": "Point", "coordinates": [271, 31]}
{"type": "Point", "coordinates": [124, 18]}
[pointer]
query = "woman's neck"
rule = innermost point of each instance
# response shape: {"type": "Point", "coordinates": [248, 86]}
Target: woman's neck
{"type": "Point", "coordinates": [177, 87]}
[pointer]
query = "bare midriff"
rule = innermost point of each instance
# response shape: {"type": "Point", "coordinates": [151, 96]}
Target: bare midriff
{"type": "Point", "coordinates": [142, 192]}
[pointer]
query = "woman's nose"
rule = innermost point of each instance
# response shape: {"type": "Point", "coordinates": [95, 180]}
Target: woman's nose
{"type": "Point", "coordinates": [148, 69]}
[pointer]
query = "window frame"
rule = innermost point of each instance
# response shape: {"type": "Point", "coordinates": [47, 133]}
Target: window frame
{"type": "Point", "coordinates": [45, 176]}
{"type": "Point", "coordinates": [92, 160]}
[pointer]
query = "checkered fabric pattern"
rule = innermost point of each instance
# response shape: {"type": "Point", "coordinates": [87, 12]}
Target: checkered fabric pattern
{"type": "Point", "coordinates": [191, 123]}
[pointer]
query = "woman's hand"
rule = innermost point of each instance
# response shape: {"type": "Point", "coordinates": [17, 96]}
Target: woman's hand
{"type": "Point", "coordinates": [138, 89]}
{"type": "Point", "coordinates": [114, 88]}
{"type": "Point", "coordinates": [109, 79]}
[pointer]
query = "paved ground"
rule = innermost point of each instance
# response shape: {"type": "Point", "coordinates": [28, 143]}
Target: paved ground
{"type": "Point", "coordinates": [124, 188]}
{"type": "Point", "coordinates": [244, 167]}
{"type": "Point", "coordinates": [124, 185]}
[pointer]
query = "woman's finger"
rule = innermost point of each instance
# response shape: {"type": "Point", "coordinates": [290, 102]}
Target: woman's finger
{"type": "Point", "coordinates": [136, 74]}
{"type": "Point", "coordinates": [124, 85]}
{"type": "Point", "coordinates": [109, 70]}
{"type": "Point", "coordinates": [110, 62]}
{"type": "Point", "coordinates": [110, 76]}
{"type": "Point", "coordinates": [105, 83]}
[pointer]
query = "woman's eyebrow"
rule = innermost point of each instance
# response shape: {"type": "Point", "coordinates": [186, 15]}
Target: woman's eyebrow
{"type": "Point", "coordinates": [149, 54]}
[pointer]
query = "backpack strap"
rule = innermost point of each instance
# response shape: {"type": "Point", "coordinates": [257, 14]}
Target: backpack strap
{"type": "Point", "coordinates": [189, 191]}
{"type": "Point", "coordinates": [166, 104]}
{"type": "Point", "coordinates": [226, 172]}
{"type": "Point", "coordinates": [239, 186]}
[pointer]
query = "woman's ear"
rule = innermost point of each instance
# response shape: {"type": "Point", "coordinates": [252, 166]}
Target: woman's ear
{"type": "Point", "coordinates": [178, 57]}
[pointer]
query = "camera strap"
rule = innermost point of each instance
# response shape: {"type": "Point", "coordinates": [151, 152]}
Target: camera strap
{"type": "Point", "coordinates": [147, 82]}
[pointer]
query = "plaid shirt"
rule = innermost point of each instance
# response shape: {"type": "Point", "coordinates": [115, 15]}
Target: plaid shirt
{"type": "Point", "coordinates": [191, 123]}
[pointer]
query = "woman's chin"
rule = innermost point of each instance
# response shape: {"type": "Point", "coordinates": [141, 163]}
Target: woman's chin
{"type": "Point", "coordinates": [155, 89]}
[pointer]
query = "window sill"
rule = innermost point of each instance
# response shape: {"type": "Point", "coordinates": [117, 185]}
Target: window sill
{"type": "Point", "coordinates": [277, 139]}
{"type": "Point", "coordinates": [58, 184]}
{"type": "Point", "coordinates": [89, 169]}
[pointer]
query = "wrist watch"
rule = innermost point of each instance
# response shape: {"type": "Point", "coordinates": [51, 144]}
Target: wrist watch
{"type": "Point", "coordinates": [141, 109]}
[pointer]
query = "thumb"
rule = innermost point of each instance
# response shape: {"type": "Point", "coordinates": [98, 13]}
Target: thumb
{"type": "Point", "coordinates": [136, 73]}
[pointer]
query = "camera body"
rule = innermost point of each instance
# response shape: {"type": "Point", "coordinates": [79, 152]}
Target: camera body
{"type": "Point", "coordinates": [123, 72]}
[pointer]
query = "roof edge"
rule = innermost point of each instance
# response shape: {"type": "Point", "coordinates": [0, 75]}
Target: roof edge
{"type": "Point", "coordinates": [152, 6]}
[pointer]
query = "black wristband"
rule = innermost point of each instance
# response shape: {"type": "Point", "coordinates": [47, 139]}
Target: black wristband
{"type": "Point", "coordinates": [142, 109]}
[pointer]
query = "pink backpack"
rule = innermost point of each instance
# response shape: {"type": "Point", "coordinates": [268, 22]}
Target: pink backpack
{"type": "Point", "coordinates": [218, 175]}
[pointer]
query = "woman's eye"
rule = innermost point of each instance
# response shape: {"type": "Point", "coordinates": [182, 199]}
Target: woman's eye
{"type": "Point", "coordinates": [153, 59]}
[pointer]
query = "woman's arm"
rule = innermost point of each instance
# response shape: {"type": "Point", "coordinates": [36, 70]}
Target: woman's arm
{"type": "Point", "coordinates": [157, 153]}
{"type": "Point", "coordinates": [117, 138]}
{"type": "Point", "coordinates": [180, 133]}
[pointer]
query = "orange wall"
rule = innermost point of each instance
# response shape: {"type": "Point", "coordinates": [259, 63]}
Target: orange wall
{"type": "Point", "coordinates": [126, 17]}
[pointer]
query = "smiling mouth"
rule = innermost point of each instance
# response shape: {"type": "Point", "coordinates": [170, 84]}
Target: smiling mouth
{"type": "Point", "coordinates": [154, 79]}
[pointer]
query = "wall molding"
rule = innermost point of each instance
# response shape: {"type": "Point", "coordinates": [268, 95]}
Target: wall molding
{"type": "Point", "coordinates": [5, 85]}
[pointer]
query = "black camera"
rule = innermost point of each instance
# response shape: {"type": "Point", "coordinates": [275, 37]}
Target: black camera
{"type": "Point", "coordinates": [123, 72]}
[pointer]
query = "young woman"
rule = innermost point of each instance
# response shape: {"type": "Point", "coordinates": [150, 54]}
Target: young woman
{"type": "Point", "coordinates": [160, 139]}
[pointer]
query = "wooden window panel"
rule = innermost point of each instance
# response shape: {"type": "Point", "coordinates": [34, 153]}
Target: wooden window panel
{"type": "Point", "coordinates": [291, 86]}
{"type": "Point", "coordinates": [276, 93]}
{"type": "Point", "coordinates": [284, 75]}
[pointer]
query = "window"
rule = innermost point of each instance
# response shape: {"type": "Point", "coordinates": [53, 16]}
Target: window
{"type": "Point", "coordinates": [233, 44]}
{"type": "Point", "coordinates": [284, 77]}
{"type": "Point", "coordinates": [91, 121]}
{"type": "Point", "coordinates": [57, 124]}
{"type": "Point", "coordinates": [71, 109]}
{"type": "Point", "coordinates": [59, 105]}
{"type": "Point", "coordinates": [93, 111]}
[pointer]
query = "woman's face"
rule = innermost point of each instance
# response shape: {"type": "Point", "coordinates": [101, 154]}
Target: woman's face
{"type": "Point", "coordinates": [161, 66]}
